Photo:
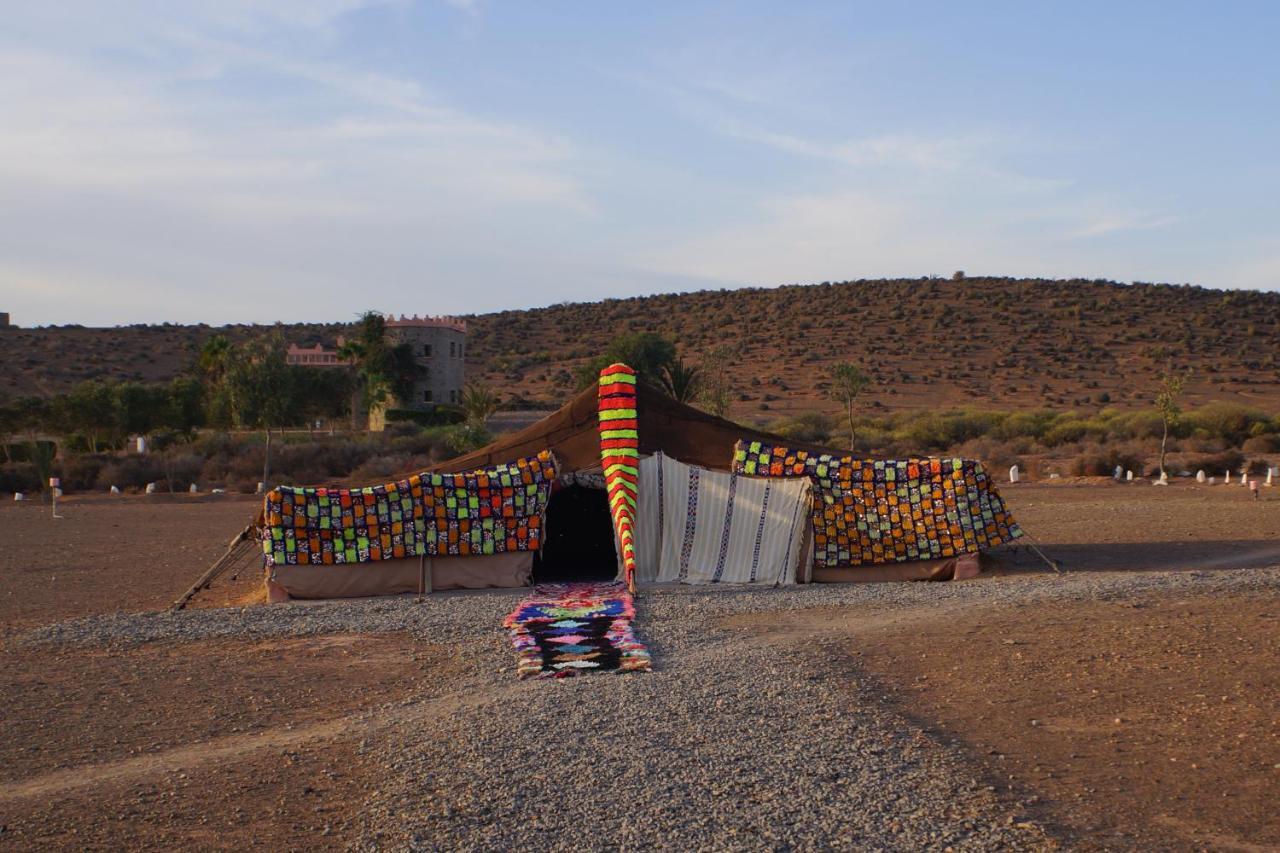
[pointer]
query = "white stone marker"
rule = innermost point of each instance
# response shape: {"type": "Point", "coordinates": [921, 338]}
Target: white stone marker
{"type": "Point", "coordinates": [115, 490]}
{"type": "Point", "coordinates": [1128, 476]}
{"type": "Point", "coordinates": [19, 496]}
{"type": "Point", "coordinates": [1118, 474]}
{"type": "Point", "coordinates": [1200, 476]}
{"type": "Point", "coordinates": [1013, 474]}
{"type": "Point", "coordinates": [1270, 471]}
{"type": "Point", "coordinates": [151, 488]}
{"type": "Point", "coordinates": [193, 489]}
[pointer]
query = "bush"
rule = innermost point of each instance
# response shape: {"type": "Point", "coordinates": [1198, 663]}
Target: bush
{"type": "Point", "coordinates": [1215, 464]}
{"type": "Point", "coordinates": [80, 473]}
{"type": "Point", "coordinates": [1264, 443]}
{"type": "Point", "coordinates": [20, 477]}
{"type": "Point", "coordinates": [1102, 463]}
{"type": "Point", "coordinates": [442, 415]}
{"type": "Point", "coordinates": [129, 472]}
{"type": "Point", "coordinates": [1228, 421]}
{"type": "Point", "coordinates": [808, 427]}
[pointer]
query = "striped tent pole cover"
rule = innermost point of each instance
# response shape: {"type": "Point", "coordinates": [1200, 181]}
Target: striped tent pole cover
{"type": "Point", "coordinates": [620, 457]}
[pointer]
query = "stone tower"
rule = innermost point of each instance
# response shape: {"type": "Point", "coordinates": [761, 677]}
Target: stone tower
{"type": "Point", "coordinates": [439, 346]}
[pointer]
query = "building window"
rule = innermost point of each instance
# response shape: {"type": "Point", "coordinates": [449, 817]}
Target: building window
{"type": "Point", "coordinates": [427, 396]}
{"type": "Point", "coordinates": [426, 350]}
{"type": "Point", "coordinates": [452, 349]}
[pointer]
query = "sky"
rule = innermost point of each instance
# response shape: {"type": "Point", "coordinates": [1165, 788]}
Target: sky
{"type": "Point", "coordinates": [306, 160]}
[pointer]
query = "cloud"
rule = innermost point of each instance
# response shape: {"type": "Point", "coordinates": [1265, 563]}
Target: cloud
{"type": "Point", "coordinates": [1119, 223]}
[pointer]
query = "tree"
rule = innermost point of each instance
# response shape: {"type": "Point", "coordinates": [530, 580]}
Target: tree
{"type": "Point", "coordinates": [715, 389]}
{"type": "Point", "coordinates": [647, 353]}
{"type": "Point", "coordinates": [478, 403]}
{"type": "Point", "coordinates": [139, 409]}
{"type": "Point", "coordinates": [90, 409]}
{"type": "Point", "coordinates": [260, 389]}
{"type": "Point", "coordinates": [380, 371]}
{"type": "Point", "coordinates": [680, 381]}
{"type": "Point", "coordinates": [847, 383]}
{"type": "Point", "coordinates": [213, 360]}
{"type": "Point", "coordinates": [184, 409]}
{"type": "Point", "coordinates": [1170, 389]}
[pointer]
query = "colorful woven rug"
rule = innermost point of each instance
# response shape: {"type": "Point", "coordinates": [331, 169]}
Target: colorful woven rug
{"type": "Point", "coordinates": [887, 511]}
{"type": "Point", "coordinates": [560, 630]}
{"type": "Point", "coordinates": [491, 510]}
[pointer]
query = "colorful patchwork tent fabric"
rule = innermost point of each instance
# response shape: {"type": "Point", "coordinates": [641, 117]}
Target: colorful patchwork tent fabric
{"type": "Point", "coordinates": [488, 511]}
{"type": "Point", "coordinates": [868, 512]}
{"type": "Point", "coordinates": [566, 629]}
{"type": "Point", "coordinates": [620, 457]}
{"type": "Point", "coordinates": [698, 526]}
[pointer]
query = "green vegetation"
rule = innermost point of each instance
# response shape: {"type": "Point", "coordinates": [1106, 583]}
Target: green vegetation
{"type": "Point", "coordinates": [847, 382]}
{"type": "Point", "coordinates": [1214, 437]}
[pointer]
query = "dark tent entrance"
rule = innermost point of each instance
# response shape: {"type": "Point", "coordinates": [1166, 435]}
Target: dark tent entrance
{"type": "Point", "coordinates": [578, 541]}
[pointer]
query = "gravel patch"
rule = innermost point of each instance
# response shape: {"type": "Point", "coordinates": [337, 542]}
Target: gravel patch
{"type": "Point", "coordinates": [460, 616]}
{"type": "Point", "coordinates": [735, 741]}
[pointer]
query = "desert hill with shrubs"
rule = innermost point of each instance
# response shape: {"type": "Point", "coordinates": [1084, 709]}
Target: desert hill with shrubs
{"type": "Point", "coordinates": [1014, 344]}
{"type": "Point", "coordinates": [1058, 376]}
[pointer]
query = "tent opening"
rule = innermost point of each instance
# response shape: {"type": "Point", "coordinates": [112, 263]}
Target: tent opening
{"type": "Point", "coordinates": [578, 545]}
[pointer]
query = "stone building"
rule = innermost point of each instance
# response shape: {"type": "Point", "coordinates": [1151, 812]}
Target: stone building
{"type": "Point", "coordinates": [440, 347]}
{"type": "Point", "coordinates": [4, 319]}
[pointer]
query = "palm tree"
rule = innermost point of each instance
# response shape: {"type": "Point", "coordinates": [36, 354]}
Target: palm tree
{"type": "Point", "coordinates": [478, 403]}
{"type": "Point", "coordinates": [681, 381]}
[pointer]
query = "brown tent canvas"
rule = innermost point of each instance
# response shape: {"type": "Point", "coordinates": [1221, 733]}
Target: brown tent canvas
{"type": "Point", "coordinates": [681, 432]}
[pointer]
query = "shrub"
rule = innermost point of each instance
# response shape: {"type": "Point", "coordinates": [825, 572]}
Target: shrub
{"type": "Point", "coordinates": [1228, 421]}
{"type": "Point", "coordinates": [809, 427]}
{"type": "Point", "coordinates": [130, 472]}
{"type": "Point", "coordinates": [1102, 463]}
{"type": "Point", "coordinates": [1264, 443]}
{"type": "Point", "coordinates": [441, 415]}
{"type": "Point", "coordinates": [80, 473]}
{"type": "Point", "coordinates": [20, 477]}
{"type": "Point", "coordinates": [1217, 463]}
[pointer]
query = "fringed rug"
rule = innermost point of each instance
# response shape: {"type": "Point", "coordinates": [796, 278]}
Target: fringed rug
{"type": "Point", "coordinates": [565, 629]}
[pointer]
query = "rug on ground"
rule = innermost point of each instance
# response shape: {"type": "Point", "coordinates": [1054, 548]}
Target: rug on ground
{"type": "Point", "coordinates": [886, 511]}
{"type": "Point", "coordinates": [566, 629]}
{"type": "Point", "coordinates": [488, 511]}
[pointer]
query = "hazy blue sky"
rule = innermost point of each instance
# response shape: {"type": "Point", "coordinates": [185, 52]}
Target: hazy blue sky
{"type": "Point", "coordinates": [307, 159]}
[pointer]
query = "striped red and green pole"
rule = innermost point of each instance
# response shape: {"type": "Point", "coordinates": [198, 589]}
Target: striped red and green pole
{"type": "Point", "coordinates": [620, 457]}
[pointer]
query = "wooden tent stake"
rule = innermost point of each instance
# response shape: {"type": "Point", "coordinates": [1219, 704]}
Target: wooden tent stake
{"type": "Point", "coordinates": [235, 550]}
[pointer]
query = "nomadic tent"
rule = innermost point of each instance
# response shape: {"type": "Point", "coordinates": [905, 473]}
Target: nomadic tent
{"type": "Point", "coordinates": [562, 530]}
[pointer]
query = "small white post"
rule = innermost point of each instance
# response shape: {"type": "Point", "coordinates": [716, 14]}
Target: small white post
{"type": "Point", "coordinates": [1200, 476]}
{"type": "Point", "coordinates": [1013, 474]}
{"type": "Point", "coordinates": [55, 484]}
{"type": "Point", "coordinates": [1128, 476]}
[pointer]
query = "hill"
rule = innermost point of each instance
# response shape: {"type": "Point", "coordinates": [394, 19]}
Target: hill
{"type": "Point", "coordinates": [1002, 343]}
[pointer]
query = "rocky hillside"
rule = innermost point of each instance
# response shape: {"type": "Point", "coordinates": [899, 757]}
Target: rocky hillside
{"type": "Point", "coordinates": [1002, 343]}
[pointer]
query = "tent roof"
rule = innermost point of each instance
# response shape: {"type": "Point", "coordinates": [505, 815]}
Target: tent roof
{"type": "Point", "coordinates": [681, 432]}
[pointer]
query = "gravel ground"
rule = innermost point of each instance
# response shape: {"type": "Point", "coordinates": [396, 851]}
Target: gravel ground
{"type": "Point", "coordinates": [737, 740]}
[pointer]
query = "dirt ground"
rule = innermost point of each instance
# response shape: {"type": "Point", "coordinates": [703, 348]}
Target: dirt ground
{"type": "Point", "coordinates": [1122, 725]}
{"type": "Point", "coordinates": [231, 743]}
{"type": "Point", "coordinates": [106, 554]}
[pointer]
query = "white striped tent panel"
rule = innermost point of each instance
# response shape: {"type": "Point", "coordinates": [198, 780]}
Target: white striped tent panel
{"type": "Point", "coordinates": [699, 526]}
